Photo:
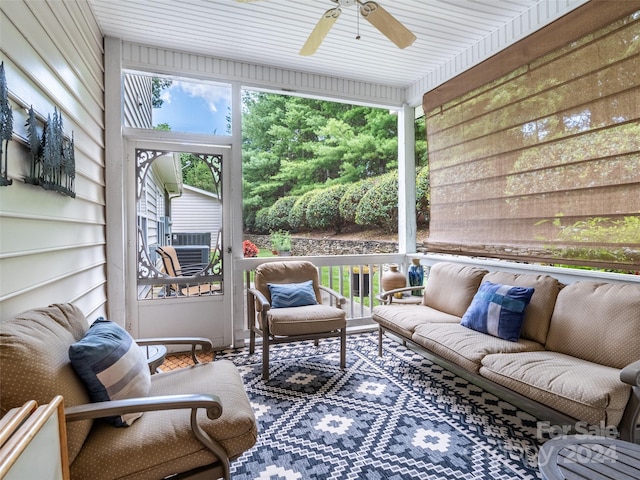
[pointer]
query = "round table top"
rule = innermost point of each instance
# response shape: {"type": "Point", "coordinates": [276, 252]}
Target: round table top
{"type": "Point", "coordinates": [589, 457]}
{"type": "Point", "coordinates": [155, 355]}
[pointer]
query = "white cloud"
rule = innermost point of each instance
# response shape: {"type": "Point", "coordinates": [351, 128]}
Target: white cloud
{"type": "Point", "coordinates": [165, 96]}
{"type": "Point", "coordinates": [211, 94]}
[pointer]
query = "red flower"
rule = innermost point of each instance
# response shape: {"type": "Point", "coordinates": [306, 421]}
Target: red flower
{"type": "Point", "coordinates": [249, 249]}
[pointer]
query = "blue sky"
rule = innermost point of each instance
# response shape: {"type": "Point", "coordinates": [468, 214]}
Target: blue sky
{"type": "Point", "coordinates": [195, 107]}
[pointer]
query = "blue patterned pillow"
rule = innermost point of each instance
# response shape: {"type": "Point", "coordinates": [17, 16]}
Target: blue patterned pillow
{"type": "Point", "coordinates": [112, 366]}
{"type": "Point", "coordinates": [292, 294]}
{"type": "Point", "coordinates": [498, 310]}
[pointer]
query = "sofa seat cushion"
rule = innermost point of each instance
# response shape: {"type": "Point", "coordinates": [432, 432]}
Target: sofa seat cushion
{"type": "Point", "coordinates": [538, 313]}
{"type": "Point", "coordinates": [466, 347]}
{"type": "Point", "coordinates": [601, 320]}
{"type": "Point", "coordinates": [159, 439]}
{"type": "Point", "coordinates": [451, 286]}
{"type": "Point", "coordinates": [305, 320]}
{"type": "Point", "coordinates": [34, 363]}
{"type": "Point", "coordinates": [404, 319]}
{"type": "Point", "coordinates": [583, 390]}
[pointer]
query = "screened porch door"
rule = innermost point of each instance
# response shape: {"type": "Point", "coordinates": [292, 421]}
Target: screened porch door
{"type": "Point", "coordinates": [177, 241]}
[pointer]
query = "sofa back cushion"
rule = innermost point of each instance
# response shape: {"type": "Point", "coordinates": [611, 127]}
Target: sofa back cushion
{"type": "Point", "coordinates": [538, 313]}
{"type": "Point", "coordinates": [451, 287]}
{"type": "Point", "coordinates": [34, 361]}
{"type": "Point", "coordinates": [597, 322]}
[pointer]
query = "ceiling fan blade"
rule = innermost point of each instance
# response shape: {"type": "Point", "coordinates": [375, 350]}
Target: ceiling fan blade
{"type": "Point", "coordinates": [320, 31]}
{"type": "Point", "coordinates": [387, 24]}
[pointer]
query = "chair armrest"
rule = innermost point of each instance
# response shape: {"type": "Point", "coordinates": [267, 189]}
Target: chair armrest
{"type": "Point", "coordinates": [261, 299]}
{"type": "Point", "coordinates": [631, 374]}
{"type": "Point", "coordinates": [340, 300]}
{"type": "Point", "coordinates": [145, 404]}
{"type": "Point", "coordinates": [387, 297]}
{"type": "Point", "coordinates": [205, 344]}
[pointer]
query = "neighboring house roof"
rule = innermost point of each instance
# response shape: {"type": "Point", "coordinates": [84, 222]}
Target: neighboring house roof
{"type": "Point", "coordinates": [199, 191]}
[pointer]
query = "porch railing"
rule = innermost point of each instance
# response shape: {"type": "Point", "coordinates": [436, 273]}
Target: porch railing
{"type": "Point", "coordinates": [356, 277]}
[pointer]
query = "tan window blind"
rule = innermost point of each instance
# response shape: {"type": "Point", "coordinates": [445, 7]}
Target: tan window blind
{"type": "Point", "coordinates": [543, 164]}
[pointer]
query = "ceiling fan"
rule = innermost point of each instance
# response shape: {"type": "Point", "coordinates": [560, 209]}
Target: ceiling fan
{"type": "Point", "coordinates": [371, 11]}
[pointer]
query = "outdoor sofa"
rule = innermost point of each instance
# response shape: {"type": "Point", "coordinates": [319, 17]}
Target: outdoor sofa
{"type": "Point", "coordinates": [575, 358]}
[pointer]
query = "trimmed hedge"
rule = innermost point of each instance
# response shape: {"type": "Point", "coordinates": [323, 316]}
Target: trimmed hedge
{"type": "Point", "coordinates": [379, 206]}
{"type": "Point", "coordinates": [423, 196]}
{"type": "Point", "coordinates": [298, 214]}
{"type": "Point", "coordinates": [369, 202]}
{"type": "Point", "coordinates": [352, 196]}
{"type": "Point", "coordinates": [279, 213]}
{"type": "Point", "coordinates": [323, 210]}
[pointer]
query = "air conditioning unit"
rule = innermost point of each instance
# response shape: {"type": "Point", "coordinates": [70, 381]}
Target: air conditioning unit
{"type": "Point", "coordinates": [191, 238]}
{"type": "Point", "coordinates": [192, 254]}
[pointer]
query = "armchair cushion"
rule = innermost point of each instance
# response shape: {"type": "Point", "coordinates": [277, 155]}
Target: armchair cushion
{"type": "Point", "coordinates": [111, 365]}
{"type": "Point", "coordinates": [305, 320]}
{"type": "Point", "coordinates": [34, 363]}
{"type": "Point", "coordinates": [159, 440]}
{"type": "Point", "coordinates": [292, 294]}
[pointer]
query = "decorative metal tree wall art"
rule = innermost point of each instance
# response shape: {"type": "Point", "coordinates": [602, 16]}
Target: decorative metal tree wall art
{"type": "Point", "coordinates": [53, 164]}
{"type": "Point", "coordinates": [6, 128]}
{"type": "Point", "coordinates": [35, 149]}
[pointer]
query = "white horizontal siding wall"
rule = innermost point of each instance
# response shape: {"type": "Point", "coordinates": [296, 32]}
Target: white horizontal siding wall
{"type": "Point", "coordinates": [196, 211]}
{"type": "Point", "coordinates": [52, 247]}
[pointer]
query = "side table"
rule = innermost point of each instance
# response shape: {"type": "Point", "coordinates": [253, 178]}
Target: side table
{"type": "Point", "coordinates": [589, 457]}
{"type": "Point", "coordinates": [155, 355]}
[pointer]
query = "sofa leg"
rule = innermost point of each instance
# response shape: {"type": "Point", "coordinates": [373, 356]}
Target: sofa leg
{"type": "Point", "coordinates": [265, 355]}
{"type": "Point", "coordinates": [343, 348]}
{"type": "Point", "coordinates": [629, 423]}
{"type": "Point", "coordinates": [380, 340]}
{"type": "Point", "coordinates": [252, 339]}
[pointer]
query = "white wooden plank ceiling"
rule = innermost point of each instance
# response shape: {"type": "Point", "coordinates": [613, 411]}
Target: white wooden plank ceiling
{"type": "Point", "coordinates": [271, 32]}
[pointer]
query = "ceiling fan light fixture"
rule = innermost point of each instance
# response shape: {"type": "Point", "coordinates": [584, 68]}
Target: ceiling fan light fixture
{"type": "Point", "coordinates": [377, 16]}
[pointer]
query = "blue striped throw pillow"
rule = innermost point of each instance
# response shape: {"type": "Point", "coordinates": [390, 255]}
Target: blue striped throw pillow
{"type": "Point", "coordinates": [498, 310]}
{"type": "Point", "coordinates": [292, 294]}
{"type": "Point", "coordinates": [112, 366]}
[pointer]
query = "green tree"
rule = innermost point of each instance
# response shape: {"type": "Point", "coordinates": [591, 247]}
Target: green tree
{"type": "Point", "coordinates": [196, 172]}
{"type": "Point", "coordinates": [292, 145]}
{"type": "Point", "coordinates": [157, 85]}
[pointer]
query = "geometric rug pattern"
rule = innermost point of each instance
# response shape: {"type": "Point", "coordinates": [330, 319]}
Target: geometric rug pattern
{"type": "Point", "coordinates": [396, 417]}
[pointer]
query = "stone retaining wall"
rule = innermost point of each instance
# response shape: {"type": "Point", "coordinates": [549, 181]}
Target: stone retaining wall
{"type": "Point", "coordinates": [302, 246]}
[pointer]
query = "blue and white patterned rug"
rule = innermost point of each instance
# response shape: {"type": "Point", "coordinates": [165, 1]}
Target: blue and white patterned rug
{"type": "Point", "coordinates": [396, 417]}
